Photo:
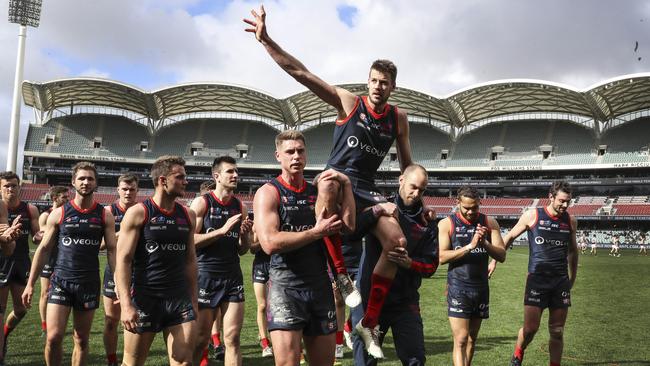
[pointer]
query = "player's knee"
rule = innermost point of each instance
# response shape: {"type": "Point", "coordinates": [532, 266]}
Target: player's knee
{"type": "Point", "coordinates": [530, 331]}
{"type": "Point", "coordinates": [556, 332]}
{"type": "Point", "coordinates": [55, 337]}
{"type": "Point", "coordinates": [80, 340]}
{"type": "Point", "coordinates": [232, 340]}
{"type": "Point", "coordinates": [328, 188]}
{"type": "Point", "coordinates": [110, 323]}
{"type": "Point", "coordinates": [461, 339]}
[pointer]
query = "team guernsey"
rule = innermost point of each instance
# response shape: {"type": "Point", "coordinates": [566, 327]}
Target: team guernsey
{"type": "Point", "coordinates": [220, 277]}
{"type": "Point", "coordinates": [548, 282]}
{"type": "Point", "coordinates": [300, 293]}
{"type": "Point", "coordinates": [15, 268]}
{"type": "Point", "coordinates": [467, 280]}
{"type": "Point", "coordinates": [75, 281]}
{"type": "Point", "coordinates": [109, 282]}
{"type": "Point", "coordinates": [361, 141]}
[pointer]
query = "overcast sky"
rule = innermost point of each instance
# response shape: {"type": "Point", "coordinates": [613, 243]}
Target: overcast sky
{"type": "Point", "coordinates": [439, 46]}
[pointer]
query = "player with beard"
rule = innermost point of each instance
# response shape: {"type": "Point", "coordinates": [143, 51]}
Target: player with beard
{"type": "Point", "coordinates": [15, 276]}
{"type": "Point", "coordinates": [467, 239]}
{"type": "Point", "coordinates": [552, 270]}
{"type": "Point", "coordinates": [127, 190]}
{"type": "Point", "coordinates": [300, 301]}
{"type": "Point", "coordinates": [156, 269]}
{"type": "Point", "coordinates": [221, 235]}
{"type": "Point", "coordinates": [79, 225]}
{"type": "Point", "coordinates": [59, 196]}
{"type": "Point", "coordinates": [365, 130]}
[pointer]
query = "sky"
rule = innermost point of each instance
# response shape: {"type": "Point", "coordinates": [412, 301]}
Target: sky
{"type": "Point", "coordinates": [439, 46]}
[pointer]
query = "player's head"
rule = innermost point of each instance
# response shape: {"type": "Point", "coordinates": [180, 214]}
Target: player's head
{"type": "Point", "coordinates": [469, 201]}
{"type": "Point", "coordinates": [168, 174]}
{"type": "Point", "coordinates": [381, 81]}
{"type": "Point", "coordinates": [412, 184]}
{"type": "Point", "coordinates": [560, 195]}
{"type": "Point", "coordinates": [84, 178]}
{"type": "Point", "coordinates": [59, 195]}
{"type": "Point", "coordinates": [206, 187]}
{"type": "Point", "coordinates": [10, 184]}
{"type": "Point", "coordinates": [225, 173]}
{"type": "Point", "coordinates": [127, 189]}
{"type": "Point", "coordinates": [291, 151]}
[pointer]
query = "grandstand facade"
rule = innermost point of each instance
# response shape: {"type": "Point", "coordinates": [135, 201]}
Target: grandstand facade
{"type": "Point", "coordinates": [510, 138]}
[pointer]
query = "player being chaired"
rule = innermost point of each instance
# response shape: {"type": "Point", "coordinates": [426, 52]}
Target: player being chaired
{"type": "Point", "coordinates": [365, 130]}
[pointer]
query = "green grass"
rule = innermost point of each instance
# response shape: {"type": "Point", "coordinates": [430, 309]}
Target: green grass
{"type": "Point", "coordinates": [608, 323]}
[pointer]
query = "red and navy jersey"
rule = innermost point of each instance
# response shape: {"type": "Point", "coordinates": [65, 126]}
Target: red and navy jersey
{"type": "Point", "coordinates": [161, 253]}
{"type": "Point", "coordinates": [421, 246]}
{"type": "Point", "coordinates": [21, 253]}
{"type": "Point", "coordinates": [362, 140]}
{"type": "Point", "coordinates": [118, 213]}
{"type": "Point", "coordinates": [549, 239]}
{"type": "Point", "coordinates": [80, 235]}
{"type": "Point", "coordinates": [305, 266]}
{"type": "Point", "coordinates": [472, 269]}
{"type": "Point", "coordinates": [221, 257]}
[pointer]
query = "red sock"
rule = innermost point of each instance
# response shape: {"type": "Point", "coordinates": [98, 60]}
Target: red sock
{"type": "Point", "coordinates": [519, 353]}
{"type": "Point", "coordinates": [216, 341]}
{"type": "Point", "coordinates": [112, 358]}
{"type": "Point", "coordinates": [7, 330]}
{"type": "Point", "coordinates": [265, 342]}
{"type": "Point", "coordinates": [44, 326]}
{"type": "Point", "coordinates": [348, 325]}
{"type": "Point", "coordinates": [339, 337]}
{"type": "Point", "coordinates": [379, 287]}
{"type": "Point", "coordinates": [204, 358]}
{"type": "Point", "coordinates": [333, 244]}
{"type": "Point", "coordinates": [555, 363]}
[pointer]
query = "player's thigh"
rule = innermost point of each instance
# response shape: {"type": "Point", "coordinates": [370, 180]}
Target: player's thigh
{"type": "Point", "coordinates": [233, 318]}
{"type": "Point", "coordinates": [180, 342]}
{"type": "Point", "coordinates": [286, 346]}
{"type": "Point", "coordinates": [532, 317]}
{"type": "Point", "coordinates": [557, 317]}
{"type": "Point", "coordinates": [111, 310]}
{"type": "Point", "coordinates": [57, 318]}
{"type": "Point", "coordinates": [82, 322]}
{"type": "Point", "coordinates": [459, 327]}
{"type": "Point", "coordinates": [389, 233]}
{"type": "Point", "coordinates": [16, 290]}
{"type": "Point", "coordinates": [320, 349]}
{"type": "Point", "coordinates": [136, 347]}
{"type": "Point", "coordinates": [204, 322]}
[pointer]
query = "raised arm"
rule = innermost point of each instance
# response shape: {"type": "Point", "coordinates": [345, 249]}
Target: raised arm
{"type": "Point", "coordinates": [267, 225]}
{"type": "Point", "coordinates": [449, 254]}
{"type": "Point", "coordinates": [573, 252]}
{"type": "Point", "coordinates": [342, 100]}
{"type": "Point", "coordinates": [126, 245]}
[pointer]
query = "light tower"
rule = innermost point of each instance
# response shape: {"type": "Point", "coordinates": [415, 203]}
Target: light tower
{"type": "Point", "coordinates": [25, 13]}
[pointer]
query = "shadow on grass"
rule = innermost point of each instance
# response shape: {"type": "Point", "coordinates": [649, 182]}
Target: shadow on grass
{"type": "Point", "coordinates": [439, 345]}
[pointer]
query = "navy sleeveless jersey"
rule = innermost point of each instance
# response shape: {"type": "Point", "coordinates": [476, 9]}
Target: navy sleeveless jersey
{"type": "Point", "coordinates": [161, 253]}
{"type": "Point", "coordinates": [21, 253]}
{"type": "Point", "coordinates": [261, 256]}
{"type": "Point", "coordinates": [470, 270]}
{"type": "Point", "coordinates": [362, 140]}
{"type": "Point", "coordinates": [80, 234]}
{"type": "Point", "coordinates": [305, 266]}
{"type": "Point", "coordinates": [118, 213]}
{"type": "Point", "coordinates": [221, 257]}
{"type": "Point", "coordinates": [549, 239]}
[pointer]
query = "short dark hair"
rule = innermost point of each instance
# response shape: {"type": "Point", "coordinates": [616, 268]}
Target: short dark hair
{"type": "Point", "coordinates": [216, 164]}
{"type": "Point", "coordinates": [9, 175]}
{"type": "Point", "coordinates": [128, 179]}
{"type": "Point", "coordinates": [289, 135]}
{"type": "Point", "coordinates": [387, 67]}
{"type": "Point", "coordinates": [560, 186]}
{"type": "Point", "coordinates": [56, 191]}
{"type": "Point", "coordinates": [207, 186]}
{"type": "Point", "coordinates": [469, 192]}
{"type": "Point", "coordinates": [163, 166]}
{"type": "Point", "coordinates": [83, 165]}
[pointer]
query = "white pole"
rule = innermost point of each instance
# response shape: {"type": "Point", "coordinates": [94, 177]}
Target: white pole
{"type": "Point", "coordinates": [12, 153]}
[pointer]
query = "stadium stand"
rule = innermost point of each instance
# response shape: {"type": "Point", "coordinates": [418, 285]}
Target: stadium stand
{"type": "Point", "coordinates": [319, 140]}
{"type": "Point", "coordinates": [426, 144]}
{"type": "Point", "coordinates": [260, 142]}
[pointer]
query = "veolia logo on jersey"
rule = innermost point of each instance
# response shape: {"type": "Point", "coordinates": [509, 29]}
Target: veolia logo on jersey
{"type": "Point", "coordinates": [353, 142]}
{"type": "Point", "coordinates": [296, 228]}
{"type": "Point", "coordinates": [152, 246]}
{"type": "Point", "coordinates": [67, 241]}
{"type": "Point", "coordinates": [558, 243]}
{"type": "Point", "coordinates": [229, 234]}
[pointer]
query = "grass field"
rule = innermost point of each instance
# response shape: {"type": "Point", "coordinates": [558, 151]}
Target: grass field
{"type": "Point", "coordinates": [608, 323]}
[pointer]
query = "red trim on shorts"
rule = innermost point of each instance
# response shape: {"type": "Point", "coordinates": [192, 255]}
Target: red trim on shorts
{"type": "Point", "coordinates": [372, 112]}
{"type": "Point", "coordinates": [292, 188]}
{"type": "Point", "coordinates": [165, 212]}
{"type": "Point", "coordinates": [341, 122]}
{"type": "Point", "coordinates": [81, 210]}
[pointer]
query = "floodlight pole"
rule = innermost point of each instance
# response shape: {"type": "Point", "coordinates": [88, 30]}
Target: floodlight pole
{"type": "Point", "coordinates": [12, 153]}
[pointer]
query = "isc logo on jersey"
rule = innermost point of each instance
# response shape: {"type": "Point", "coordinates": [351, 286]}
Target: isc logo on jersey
{"type": "Point", "coordinates": [67, 241]}
{"type": "Point", "coordinates": [353, 143]}
{"type": "Point", "coordinates": [152, 246]}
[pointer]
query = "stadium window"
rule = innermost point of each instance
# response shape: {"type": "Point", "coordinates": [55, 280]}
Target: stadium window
{"type": "Point", "coordinates": [49, 139]}
{"type": "Point", "coordinates": [602, 149]}
{"type": "Point", "coordinates": [494, 155]}
{"type": "Point", "coordinates": [144, 146]}
{"type": "Point", "coordinates": [444, 154]}
{"type": "Point", "coordinates": [97, 143]}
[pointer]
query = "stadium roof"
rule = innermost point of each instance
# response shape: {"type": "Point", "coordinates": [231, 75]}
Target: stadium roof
{"type": "Point", "coordinates": [602, 102]}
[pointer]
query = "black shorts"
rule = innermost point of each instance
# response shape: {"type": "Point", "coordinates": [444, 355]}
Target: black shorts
{"type": "Point", "coordinates": [260, 271]}
{"type": "Point", "coordinates": [213, 290]}
{"type": "Point", "coordinates": [47, 271]}
{"type": "Point", "coordinates": [109, 284]}
{"type": "Point", "coordinates": [365, 194]}
{"type": "Point", "coordinates": [78, 295]}
{"type": "Point", "coordinates": [547, 291]}
{"type": "Point", "coordinates": [311, 310]}
{"type": "Point", "coordinates": [14, 272]}
{"type": "Point", "coordinates": [468, 302]}
{"type": "Point", "coordinates": [156, 314]}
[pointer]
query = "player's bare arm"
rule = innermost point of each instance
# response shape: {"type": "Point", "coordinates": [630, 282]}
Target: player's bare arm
{"type": "Point", "coordinates": [37, 235]}
{"type": "Point", "coordinates": [496, 248]}
{"type": "Point", "coordinates": [403, 142]}
{"type": "Point", "coordinates": [42, 254]}
{"type": "Point", "coordinates": [267, 225]}
{"type": "Point", "coordinates": [126, 245]}
{"type": "Point", "coordinates": [110, 241]}
{"type": "Point", "coordinates": [200, 208]}
{"type": "Point", "coordinates": [191, 268]}
{"type": "Point", "coordinates": [342, 100]}
{"type": "Point", "coordinates": [525, 222]}
{"type": "Point", "coordinates": [447, 253]}
{"type": "Point", "coordinates": [573, 252]}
